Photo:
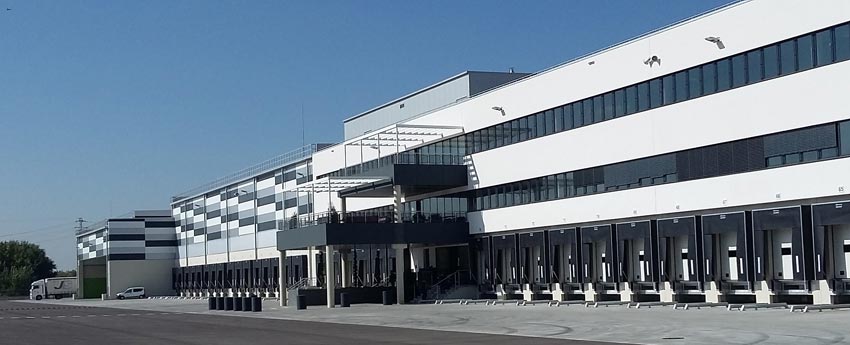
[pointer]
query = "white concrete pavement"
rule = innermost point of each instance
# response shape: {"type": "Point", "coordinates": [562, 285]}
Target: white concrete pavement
{"type": "Point", "coordinates": [658, 325]}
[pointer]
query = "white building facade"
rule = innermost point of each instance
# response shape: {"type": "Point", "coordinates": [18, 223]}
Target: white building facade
{"type": "Point", "coordinates": [705, 161]}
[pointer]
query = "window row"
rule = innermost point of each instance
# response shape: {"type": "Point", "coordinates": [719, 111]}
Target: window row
{"type": "Point", "coordinates": [793, 55]}
{"type": "Point", "coordinates": [792, 147]}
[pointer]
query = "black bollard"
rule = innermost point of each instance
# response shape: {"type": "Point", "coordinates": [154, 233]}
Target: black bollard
{"type": "Point", "coordinates": [257, 301]}
{"type": "Point", "coordinates": [343, 300]}
{"type": "Point", "coordinates": [387, 297]}
{"type": "Point", "coordinates": [237, 304]}
{"type": "Point", "coordinates": [219, 303]}
{"type": "Point", "coordinates": [246, 304]}
{"type": "Point", "coordinates": [301, 302]}
{"type": "Point", "coordinates": [212, 303]}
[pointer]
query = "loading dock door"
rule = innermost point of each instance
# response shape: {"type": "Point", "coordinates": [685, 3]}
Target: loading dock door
{"type": "Point", "coordinates": [534, 258]}
{"type": "Point", "coordinates": [564, 256]}
{"type": "Point", "coordinates": [831, 245]}
{"type": "Point", "coordinates": [727, 240]}
{"type": "Point", "coordinates": [598, 254]}
{"type": "Point", "coordinates": [636, 251]}
{"type": "Point", "coordinates": [679, 249]}
{"type": "Point", "coordinates": [781, 238]}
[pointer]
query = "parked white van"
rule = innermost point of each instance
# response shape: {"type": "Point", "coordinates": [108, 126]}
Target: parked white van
{"type": "Point", "coordinates": [133, 292]}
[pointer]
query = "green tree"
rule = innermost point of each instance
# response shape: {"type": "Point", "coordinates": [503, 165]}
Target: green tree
{"type": "Point", "coordinates": [21, 263]}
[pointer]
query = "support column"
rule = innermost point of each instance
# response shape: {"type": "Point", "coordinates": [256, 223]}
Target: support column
{"type": "Point", "coordinates": [396, 204]}
{"type": "Point", "coordinates": [343, 209]}
{"type": "Point", "coordinates": [345, 271]}
{"type": "Point", "coordinates": [400, 269]}
{"type": "Point", "coordinates": [281, 279]}
{"type": "Point", "coordinates": [312, 278]}
{"type": "Point", "coordinates": [329, 275]}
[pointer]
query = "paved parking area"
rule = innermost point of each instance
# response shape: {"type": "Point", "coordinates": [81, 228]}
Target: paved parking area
{"type": "Point", "coordinates": [89, 323]}
{"type": "Point", "coordinates": [657, 325]}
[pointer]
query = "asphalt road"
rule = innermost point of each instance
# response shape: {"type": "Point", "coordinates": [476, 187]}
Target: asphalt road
{"type": "Point", "coordinates": [36, 323]}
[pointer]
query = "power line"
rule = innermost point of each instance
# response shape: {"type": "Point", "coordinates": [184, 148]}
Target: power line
{"type": "Point", "coordinates": [44, 229]}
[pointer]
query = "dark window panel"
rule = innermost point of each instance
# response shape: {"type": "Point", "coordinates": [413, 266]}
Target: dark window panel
{"type": "Point", "coordinates": [598, 115]}
{"type": "Point", "coordinates": [739, 70]}
{"type": "Point", "coordinates": [788, 57]}
{"type": "Point", "coordinates": [631, 100]}
{"type": "Point", "coordinates": [805, 53]}
{"type": "Point", "coordinates": [724, 75]}
{"type": "Point", "coordinates": [643, 96]}
{"type": "Point", "coordinates": [709, 79]}
{"type": "Point", "coordinates": [695, 82]}
{"type": "Point", "coordinates": [656, 98]}
{"type": "Point", "coordinates": [842, 42]}
{"type": "Point", "coordinates": [569, 123]}
{"type": "Point", "coordinates": [669, 89]}
{"type": "Point", "coordinates": [578, 114]}
{"type": "Point", "coordinates": [608, 99]}
{"type": "Point", "coordinates": [559, 119]}
{"type": "Point", "coordinates": [550, 121]}
{"type": "Point", "coordinates": [681, 86]}
{"type": "Point", "coordinates": [844, 132]}
{"type": "Point", "coordinates": [523, 129]}
{"type": "Point", "coordinates": [754, 67]}
{"type": "Point", "coordinates": [587, 106]}
{"type": "Point", "coordinates": [619, 103]}
{"type": "Point", "coordinates": [825, 47]}
{"type": "Point", "coordinates": [770, 55]}
{"type": "Point", "coordinates": [541, 124]}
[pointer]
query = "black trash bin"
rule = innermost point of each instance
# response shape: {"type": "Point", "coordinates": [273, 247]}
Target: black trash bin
{"type": "Point", "coordinates": [387, 297]}
{"type": "Point", "coordinates": [344, 300]}
{"type": "Point", "coordinates": [219, 303]}
{"type": "Point", "coordinates": [212, 303]}
{"type": "Point", "coordinates": [301, 302]}
{"type": "Point", "coordinates": [257, 302]}
{"type": "Point", "coordinates": [228, 303]}
{"type": "Point", "coordinates": [237, 304]}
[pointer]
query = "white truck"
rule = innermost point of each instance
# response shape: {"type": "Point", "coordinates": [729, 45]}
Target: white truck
{"type": "Point", "coordinates": [53, 287]}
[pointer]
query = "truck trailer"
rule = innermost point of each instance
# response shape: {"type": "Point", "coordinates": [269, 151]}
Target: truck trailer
{"type": "Point", "coordinates": [53, 287]}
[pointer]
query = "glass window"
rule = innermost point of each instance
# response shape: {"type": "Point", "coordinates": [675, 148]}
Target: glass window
{"type": "Point", "coordinates": [739, 70]}
{"type": "Point", "coordinates": [844, 135]}
{"type": "Point", "coordinates": [788, 57]}
{"type": "Point", "coordinates": [842, 42]}
{"type": "Point", "coordinates": [724, 72]}
{"type": "Point", "coordinates": [754, 74]}
{"type": "Point", "coordinates": [561, 181]}
{"type": "Point", "coordinates": [695, 82]}
{"type": "Point", "coordinates": [541, 124]}
{"type": "Point", "coordinates": [709, 79]}
{"type": "Point", "coordinates": [492, 137]}
{"type": "Point", "coordinates": [774, 161]}
{"type": "Point", "coordinates": [619, 103]}
{"type": "Point", "coordinates": [568, 117]}
{"type": "Point", "coordinates": [771, 61]}
{"type": "Point", "coordinates": [809, 156]}
{"type": "Point", "coordinates": [550, 121]}
{"type": "Point", "coordinates": [559, 119]}
{"type": "Point", "coordinates": [681, 86]}
{"type": "Point", "coordinates": [503, 198]}
{"type": "Point", "coordinates": [631, 100]}
{"type": "Point", "coordinates": [823, 40]}
{"type": "Point", "coordinates": [515, 131]}
{"type": "Point", "coordinates": [643, 96]}
{"type": "Point", "coordinates": [655, 96]}
{"type": "Point", "coordinates": [669, 89]}
{"type": "Point", "coordinates": [829, 153]}
{"type": "Point", "coordinates": [499, 142]}
{"type": "Point", "coordinates": [792, 158]}
{"type": "Point", "coordinates": [587, 106]}
{"type": "Point", "coordinates": [508, 195]}
{"type": "Point", "coordinates": [805, 52]}
{"type": "Point", "coordinates": [533, 127]}
{"type": "Point", "coordinates": [609, 105]}
{"type": "Point", "coordinates": [598, 116]}
{"type": "Point", "coordinates": [578, 117]}
{"type": "Point", "coordinates": [523, 128]}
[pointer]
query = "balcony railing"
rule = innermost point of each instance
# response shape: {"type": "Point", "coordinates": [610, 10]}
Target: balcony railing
{"type": "Point", "coordinates": [379, 217]}
{"type": "Point", "coordinates": [400, 158]}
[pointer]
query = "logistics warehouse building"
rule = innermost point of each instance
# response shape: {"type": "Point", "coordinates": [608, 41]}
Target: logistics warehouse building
{"type": "Point", "coordinates": [702, 161]}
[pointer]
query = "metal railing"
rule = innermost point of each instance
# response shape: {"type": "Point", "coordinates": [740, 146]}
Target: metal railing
{"type": "Point", "coordinates": [378, 217]}
{"type": "Point", "coordinates": [449, 282]}
{"type": "Point", "coordinates": [274, 163]}
{"type": "Point", "coordinates": [400, 158]}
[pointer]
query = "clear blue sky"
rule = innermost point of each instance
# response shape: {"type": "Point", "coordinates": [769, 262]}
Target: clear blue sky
{"type": "Point", "coordinates": [110, 106]}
